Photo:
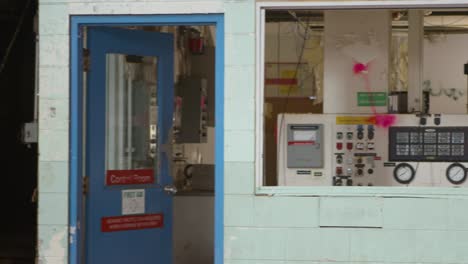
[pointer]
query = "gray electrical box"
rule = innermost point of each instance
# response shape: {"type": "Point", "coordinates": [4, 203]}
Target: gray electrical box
{"type": "Point", "coordinates": [203, 66]}
{"type": "Point", "coordinates": [305, 146]}
{"type": "Point", "coordinates": [193, 125]}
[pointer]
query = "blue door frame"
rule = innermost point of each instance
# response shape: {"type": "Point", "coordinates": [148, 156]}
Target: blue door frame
{"type": "Point", "coordinates": [77, 110]}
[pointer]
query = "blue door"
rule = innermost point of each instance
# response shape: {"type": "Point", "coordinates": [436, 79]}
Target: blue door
{"type": "Point", "coordinates": [129, 98]}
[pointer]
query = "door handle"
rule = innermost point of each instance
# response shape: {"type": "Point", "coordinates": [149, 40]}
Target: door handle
{"type": "Point", "coordinates": [170, 189]}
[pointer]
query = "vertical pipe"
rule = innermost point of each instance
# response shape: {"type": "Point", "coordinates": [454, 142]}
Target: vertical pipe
{"type": "Point", "coordinates": [36, 73]}
{"type": "Point", "coordinates": [129, 116]}
{"type": "Point", "coordinates": [111, 78]}
{"type": "Point", "coordinates": [120, 113]}
{"type": "Point", "coordinates": [415, 59]}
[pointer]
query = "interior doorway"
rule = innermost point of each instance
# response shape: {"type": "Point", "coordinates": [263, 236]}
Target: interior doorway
{"type": "Point", "coordinates": [150, 100]}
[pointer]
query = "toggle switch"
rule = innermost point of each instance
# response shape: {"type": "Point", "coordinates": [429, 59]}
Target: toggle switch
{"type": "Point", "coordinates": [360, 146]}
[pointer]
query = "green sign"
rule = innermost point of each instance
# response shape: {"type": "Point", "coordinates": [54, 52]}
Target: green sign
{"type": "Point", "coordinates": [372, 98]}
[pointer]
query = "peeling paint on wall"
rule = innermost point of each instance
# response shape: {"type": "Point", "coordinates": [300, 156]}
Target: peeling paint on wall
{"type": "Point", "coordinates": [56, 245]}
{"type": "Point", "coordinates": [72, 234]}
{"type": "Point", "coordinates": [52, 112]}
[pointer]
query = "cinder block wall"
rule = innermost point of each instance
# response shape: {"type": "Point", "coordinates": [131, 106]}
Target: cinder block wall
{"type": "Point", "coordinates": [258, 229]}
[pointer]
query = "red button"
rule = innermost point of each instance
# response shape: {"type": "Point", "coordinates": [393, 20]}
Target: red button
{"type": "Point", "coordinates": [349, 145]}
{"type": "Point", "coordinates": [339, 145]}
{"type": "Point", "coordinates": [339, 170]}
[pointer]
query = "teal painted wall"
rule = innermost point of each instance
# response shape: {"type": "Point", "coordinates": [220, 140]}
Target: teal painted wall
{"type": "Point", "coordinates": [278, 229]}
{"type": "Point", "coordinates": [268, 229]}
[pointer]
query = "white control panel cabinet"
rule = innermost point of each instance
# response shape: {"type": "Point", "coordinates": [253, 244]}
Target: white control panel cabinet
{"type": "Point", "coordinates": [351, 150]}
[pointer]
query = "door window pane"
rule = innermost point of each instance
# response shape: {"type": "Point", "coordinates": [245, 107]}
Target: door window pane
{"type": "Point", "coordinates": [131, 129]}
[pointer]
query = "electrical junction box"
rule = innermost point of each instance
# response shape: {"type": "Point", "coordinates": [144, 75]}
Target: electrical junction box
{"type": "Point", "coordinates": [29, 133]}
{"type": "Point", "coordinates": [194, 110]}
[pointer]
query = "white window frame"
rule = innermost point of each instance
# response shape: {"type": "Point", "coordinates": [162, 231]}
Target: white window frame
{"type": "Point", "coordinates": [260, 189]}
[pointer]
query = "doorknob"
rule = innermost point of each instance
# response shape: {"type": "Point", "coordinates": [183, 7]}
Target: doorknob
{"type": "Point", "coordinates": [170, 189]}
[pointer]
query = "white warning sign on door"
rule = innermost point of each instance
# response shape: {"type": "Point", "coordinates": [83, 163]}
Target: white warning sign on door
{"type": "Point", "coordinates": [133, 201]}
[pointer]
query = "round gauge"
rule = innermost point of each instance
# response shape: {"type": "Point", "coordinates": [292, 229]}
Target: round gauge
{"type": "Point", "coordinates": [404, 173]}
{"type": "Point", "coordinates": [456, 173]}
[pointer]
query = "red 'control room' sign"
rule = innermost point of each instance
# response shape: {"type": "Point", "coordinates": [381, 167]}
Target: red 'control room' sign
{"type": "Point", "coordinates": [128, 177]}
{"type": "Point", "coordinates": [131, 222]}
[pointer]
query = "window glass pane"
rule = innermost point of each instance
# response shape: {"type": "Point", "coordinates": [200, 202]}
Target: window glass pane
{"type": "Point", "coordinates": [344, 92]}
{"type": "Point", "coordinates": [131, 112]}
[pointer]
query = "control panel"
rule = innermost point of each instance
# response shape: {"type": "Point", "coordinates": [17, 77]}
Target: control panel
{"type": "Point", "coordinates": [357, 152]}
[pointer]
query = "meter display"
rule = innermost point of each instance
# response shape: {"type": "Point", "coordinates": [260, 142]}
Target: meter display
{"type": "Point", "coordinates": [304, 135]}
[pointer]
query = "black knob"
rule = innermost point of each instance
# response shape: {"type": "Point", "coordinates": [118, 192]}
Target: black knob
{"type": "Point", "coordinates": [338, 182]}
{"type": "Point", "coordinates": [339, 159]}
{"type": "Point", "coordinates": [360, 135]}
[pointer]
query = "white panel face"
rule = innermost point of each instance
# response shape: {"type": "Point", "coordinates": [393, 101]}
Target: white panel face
{"type": "Point", "coordinates": [357, 154]}
{"type": "Point", "coordinates": [303, 176]}
{"type": "Point", "coordinates": [351, 38]}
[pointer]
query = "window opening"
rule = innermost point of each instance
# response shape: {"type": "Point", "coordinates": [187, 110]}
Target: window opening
{"type": "Point", "coordinates": [373, 97]}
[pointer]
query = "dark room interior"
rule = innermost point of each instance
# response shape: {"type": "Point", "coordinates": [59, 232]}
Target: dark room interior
{"type": "Point", "coordinates": [19, 160]}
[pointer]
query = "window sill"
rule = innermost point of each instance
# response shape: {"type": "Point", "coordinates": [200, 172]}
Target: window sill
{"type": "Point", "coordinates": [361, 191]}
